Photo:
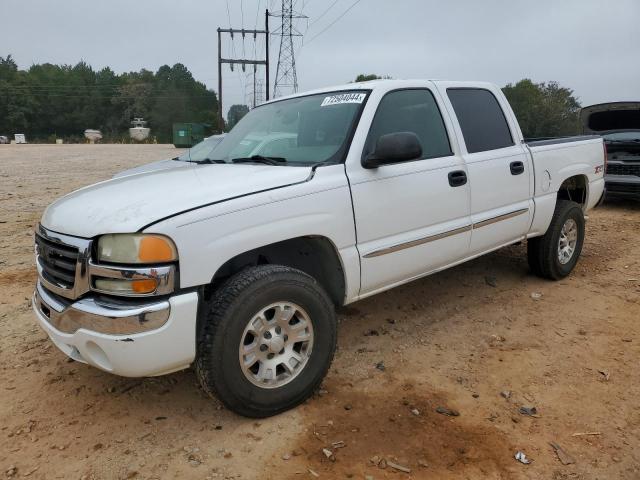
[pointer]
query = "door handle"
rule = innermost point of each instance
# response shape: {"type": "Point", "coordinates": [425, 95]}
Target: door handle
{"type": "Point", "coordinates": [457, 178]}
{"type": "Point", "coordinates": [516, 167]}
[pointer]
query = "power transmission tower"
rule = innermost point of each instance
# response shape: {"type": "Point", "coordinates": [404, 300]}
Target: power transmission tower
{"type": "Point", "coordinates": [286, 77]}
{"type": "Point", "coordinates": [253, 89]}
{"type": "Point", "coordinates": [242, 61]}
{"type": "Point", "coordinates": [259, 92]}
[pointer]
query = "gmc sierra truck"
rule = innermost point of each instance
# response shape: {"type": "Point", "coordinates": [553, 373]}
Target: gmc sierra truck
{"type": "Point", "coordinates": [234, 261]}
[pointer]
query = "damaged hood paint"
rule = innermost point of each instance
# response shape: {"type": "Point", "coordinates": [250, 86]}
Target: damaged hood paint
{"type": "Point", "coordinates": [127, 204]}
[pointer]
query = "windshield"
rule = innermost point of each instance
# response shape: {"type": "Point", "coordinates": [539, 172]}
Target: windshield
{"type": "Point", "coordinates": [299, 131]}
{"type": "Point", "coordinates": [623, 136]}
{"type": "Point", "coordinates": [202, 150]}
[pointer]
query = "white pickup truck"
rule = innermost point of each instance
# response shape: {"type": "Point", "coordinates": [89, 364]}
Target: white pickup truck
{"type": "Point", "coordinates": [233, 260]}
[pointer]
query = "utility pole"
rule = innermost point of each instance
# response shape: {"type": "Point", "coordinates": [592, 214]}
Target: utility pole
{"type": "Point", "coordinates": [286, 78]}
{"type": "Point", "coordinates": [266, 46]}
{"type": "Point", "coordinates": [243, 62]}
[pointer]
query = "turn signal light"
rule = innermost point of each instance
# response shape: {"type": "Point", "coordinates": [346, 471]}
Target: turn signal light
{"type": "Point", "coordinates": [154, 249]}
{"type": "Point", "coordinates": [144, 286]}
{"type": "Point", "coordinates": [117, 286]}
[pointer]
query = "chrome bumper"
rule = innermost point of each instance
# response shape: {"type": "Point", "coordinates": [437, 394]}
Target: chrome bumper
{"type": "Point", "coordinates": [102, 316]}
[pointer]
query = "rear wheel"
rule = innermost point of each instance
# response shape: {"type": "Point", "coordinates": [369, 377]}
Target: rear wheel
{"type": "Point", "coordinates": [555, 254]}
{"type": "Point", "coordinates": [267, 341]}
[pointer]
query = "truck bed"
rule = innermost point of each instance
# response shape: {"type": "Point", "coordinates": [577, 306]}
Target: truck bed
{"type": "Point", "coordinates": [535, 142]}
{"type": "Point", "coordinates": [557, 159]}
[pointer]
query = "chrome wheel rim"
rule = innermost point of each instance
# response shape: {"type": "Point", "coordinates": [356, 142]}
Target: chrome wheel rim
{"type": "Point", "coordinates": [276, 345]}
{"type": "Point", "coordinates": [568, 240]}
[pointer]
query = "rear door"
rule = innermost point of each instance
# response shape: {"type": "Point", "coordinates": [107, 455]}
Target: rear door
{"type": "Point", "coordinates": [499, 166]}
{"type": "Point", "coordinates": [411, 217]}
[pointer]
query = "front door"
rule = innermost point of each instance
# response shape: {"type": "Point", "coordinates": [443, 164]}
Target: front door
{"type": "Point", "coordinates": [412, 217]}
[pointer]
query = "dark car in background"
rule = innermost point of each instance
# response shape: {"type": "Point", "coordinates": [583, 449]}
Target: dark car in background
{"type": "Point", "coordinates": [619, 124]}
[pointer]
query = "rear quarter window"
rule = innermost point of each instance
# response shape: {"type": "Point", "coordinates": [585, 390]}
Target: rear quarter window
{"type": "Point", "coordinates": [482, 121]}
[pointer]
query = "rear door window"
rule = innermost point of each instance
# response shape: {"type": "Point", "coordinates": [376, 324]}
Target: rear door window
{"type": "Point", "coordinates": [484, 126]}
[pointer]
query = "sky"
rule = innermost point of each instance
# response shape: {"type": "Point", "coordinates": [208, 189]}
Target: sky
{"type": "Point", "coordinates": [590, 46]}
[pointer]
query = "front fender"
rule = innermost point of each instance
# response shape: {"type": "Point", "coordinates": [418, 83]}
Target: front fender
{"type": "Point", "coordinates": [207, 238]}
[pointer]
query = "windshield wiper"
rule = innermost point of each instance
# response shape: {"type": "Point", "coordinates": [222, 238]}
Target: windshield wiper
{"type": "Point", "coordinates": [206, 161]}
{"type": "Point", "coordinates": [260, 159]}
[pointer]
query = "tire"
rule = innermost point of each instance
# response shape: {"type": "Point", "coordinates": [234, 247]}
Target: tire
{"type": "Point", "coordinates": [544, 252]}
{"type": "Point", "coordinates": [229, 320]}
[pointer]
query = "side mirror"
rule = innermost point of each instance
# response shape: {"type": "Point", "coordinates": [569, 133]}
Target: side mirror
{"type": "Point", "coordinates": [393, 148]}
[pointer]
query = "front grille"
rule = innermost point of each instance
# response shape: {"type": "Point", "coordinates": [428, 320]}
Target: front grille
{"type": "Point", "coordinates": [58, 261]}
{"type": "Point", "coordinates": [623, 169]}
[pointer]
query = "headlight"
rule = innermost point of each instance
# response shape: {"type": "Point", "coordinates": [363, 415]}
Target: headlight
{"type": "Point", "coordinates": [136, 248]}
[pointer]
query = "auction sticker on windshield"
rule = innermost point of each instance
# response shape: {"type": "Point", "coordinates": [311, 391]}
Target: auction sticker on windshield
{"type": "Point", "coordinates": [343, 98]}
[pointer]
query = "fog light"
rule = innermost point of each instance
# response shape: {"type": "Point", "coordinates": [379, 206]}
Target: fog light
{"type": "Point", "coordinates": [147, 285]}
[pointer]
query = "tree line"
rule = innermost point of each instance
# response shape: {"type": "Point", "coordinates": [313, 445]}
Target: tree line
{"type": "Point", "coordinates": [50, 101]}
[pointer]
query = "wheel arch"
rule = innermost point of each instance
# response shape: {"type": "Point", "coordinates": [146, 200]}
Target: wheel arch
{"type": "Point", "coordinates": [315, 255]}
{"type": "Point", "coordinates": [575, 189]}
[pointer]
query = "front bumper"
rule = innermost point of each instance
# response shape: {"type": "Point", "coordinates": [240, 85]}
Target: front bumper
{"type": "Point", "coordinates": [129, 340]}
{"type": "Point", "coordinates": [623, 185]}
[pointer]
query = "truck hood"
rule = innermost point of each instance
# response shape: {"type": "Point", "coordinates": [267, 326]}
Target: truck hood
{"type": "Point", "coordinates": [127, 204]}
{"type": "Point", "coordinates": [610, 117]}
{"type": "Point", "coordinates": [152, 167]}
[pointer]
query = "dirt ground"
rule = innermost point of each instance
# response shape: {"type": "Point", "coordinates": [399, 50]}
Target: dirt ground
{"type": "Point", "coordinates": [457, 340]}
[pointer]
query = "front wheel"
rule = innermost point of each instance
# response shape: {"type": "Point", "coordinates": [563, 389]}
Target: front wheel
{"type": "Point", "coordinates": [267, 340]}
{"type": "Point", "coordinates": [555, 254]}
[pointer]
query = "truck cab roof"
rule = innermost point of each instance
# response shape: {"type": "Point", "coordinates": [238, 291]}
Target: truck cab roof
{"type": "Point", "coordinates": [389, 84]}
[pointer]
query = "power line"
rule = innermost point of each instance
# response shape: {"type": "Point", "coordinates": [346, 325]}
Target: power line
{"type": "Point", "coordinates": [323, 13]}
{"type": "Point", "coordinates": [241, 62]}
{"type": "Point", "coordinates": [228, 14]}
{"type": "Point", "coordinates": [333, 23]}
{"type": "Point", "coordinates": [89, 89]}
{"type": "Point", "coordinates": [62, 95]}
{"type": "Point", "coordinates": [233, 45]}
{"type": "Point", "coordinates": [257, 14]}
{"type": "Point", "coordinates": [92, 85]}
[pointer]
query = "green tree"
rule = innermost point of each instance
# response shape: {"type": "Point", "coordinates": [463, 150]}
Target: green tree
{"type": "Point", "coordinates": [365, 77]}
{"type": "Point", "coordinates": [64, 100]}
{"type": "Point", "coordinates": [16, 105]}
{"type": "Point", "coordinates": [236, 112]}
{"type": "Point", "coordinates": [544, 109]}
{"type": "Point", "coordinates": [180, 98]}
